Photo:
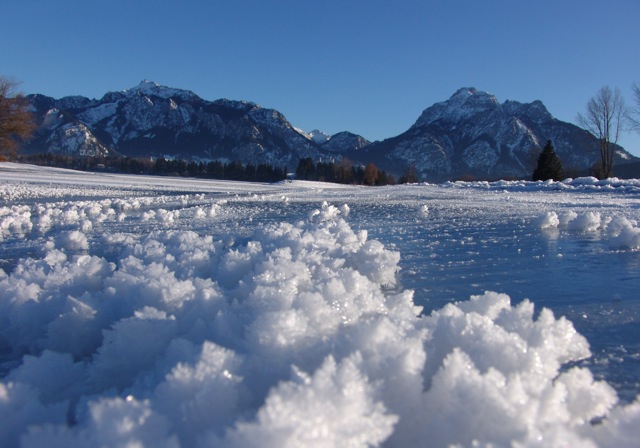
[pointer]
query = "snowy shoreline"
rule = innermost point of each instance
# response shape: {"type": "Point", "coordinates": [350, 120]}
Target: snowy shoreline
{"type": "Point", "coordinates": [184, 312]}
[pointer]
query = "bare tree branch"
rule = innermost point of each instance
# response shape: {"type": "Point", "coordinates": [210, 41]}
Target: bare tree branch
{"type": "Point", "coordinates": [634, 113]}
{"type": "Point", "coordinates": [16, 121]}
{"type": "Point", "coordinates": [605, 118]}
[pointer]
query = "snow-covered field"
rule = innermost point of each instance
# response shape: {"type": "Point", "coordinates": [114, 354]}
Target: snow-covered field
{"type": "Point", "coordinates": [145, 311]}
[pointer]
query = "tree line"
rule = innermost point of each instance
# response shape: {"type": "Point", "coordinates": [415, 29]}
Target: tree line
{"type": "Point", "coordinates": [163, 167]}
{"type": "Point", "coordinates": [342, 172]}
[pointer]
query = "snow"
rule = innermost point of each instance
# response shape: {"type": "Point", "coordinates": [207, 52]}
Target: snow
{"type": "Point", "coordinates": [149, 88]}
{"type": "Point", "coordinates": [76, 139]}
{"type": "Point", "coordinates": [52, 119]}
{"type": "Point", "coordinates": [96, 114]}
{"type": "Point", "coordinates": [464, 103]}
{"type": "Point", "coordinates": [152, 311]}
{"type": "Point", "coordinates": [319, 136]}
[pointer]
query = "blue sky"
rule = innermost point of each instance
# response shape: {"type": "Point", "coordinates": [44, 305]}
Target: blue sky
{"type": "Point", "coordinates": [369, 67]}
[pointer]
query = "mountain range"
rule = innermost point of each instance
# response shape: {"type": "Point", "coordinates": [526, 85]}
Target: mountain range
{"type": "Point", "coordinates": [470, 135]}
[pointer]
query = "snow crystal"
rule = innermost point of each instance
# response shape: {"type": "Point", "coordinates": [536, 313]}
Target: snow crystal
{"type": "Point", "coordinates": [290, 298]}
{"type": "Point", "coordinates": [127, 326]}
{"type": "Point", "coordinates": [334, 407]}
{"type": "Point", "coordinates": [74, 240]}
{"type": "Point", "coordinates": [548, 220]}
{"type": "Point", "coordinates": [621, 232]}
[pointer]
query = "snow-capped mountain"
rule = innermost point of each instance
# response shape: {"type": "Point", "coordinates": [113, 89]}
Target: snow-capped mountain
{"type": "Point", "coordinates": [338, 143]}
{"type": "Point", "coordinates": [151, 120]}
{"type": "Point", "coordinates": [473, 135]}
{"type": "Point", "coordinates": [69, 137]}
{"type": "Point", "coordinates": [344, 141]}
{"type": "Point", "coordinates": [319, 137]}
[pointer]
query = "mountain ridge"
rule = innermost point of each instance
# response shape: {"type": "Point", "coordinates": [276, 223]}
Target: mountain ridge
{"type": "Point", "coordinates": [469, 135]}
{"type": "Point", "coordinates": [474, 136]}
{"type": "Point", "coordinates": [150, 120]}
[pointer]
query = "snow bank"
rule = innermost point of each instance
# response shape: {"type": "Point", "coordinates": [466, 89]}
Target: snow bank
{"type": "Point", "coordinates": [296, 337]}
{"type": "Point", "coordinates": [590, 184]}
{"type": "Point", "coordinates": [621, 232]}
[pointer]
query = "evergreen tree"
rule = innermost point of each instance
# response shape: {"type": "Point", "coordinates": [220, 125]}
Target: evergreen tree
{"type": "Point", "coordinates": [549, 165]}
{"type": "Point", "coordinates": [306, 169]}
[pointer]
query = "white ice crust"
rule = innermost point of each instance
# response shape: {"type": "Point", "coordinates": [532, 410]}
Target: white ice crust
{"type": "Point", "coordinates": [297, 336]}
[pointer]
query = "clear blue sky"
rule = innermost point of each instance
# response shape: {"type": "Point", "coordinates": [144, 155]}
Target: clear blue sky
{"type": "Point", "coordinates": [369, 67]}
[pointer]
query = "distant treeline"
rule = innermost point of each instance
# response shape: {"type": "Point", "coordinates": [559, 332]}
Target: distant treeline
{"type": "Point", "coordinates": [343, 172]}
{"type": "Point", "coordinates": [163, 167]}
{"type": "Point", "coordinates": [346, 172]}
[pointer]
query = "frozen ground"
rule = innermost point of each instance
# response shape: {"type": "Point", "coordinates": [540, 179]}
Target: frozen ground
{"type": "Point", "coordinates": [176, 312]}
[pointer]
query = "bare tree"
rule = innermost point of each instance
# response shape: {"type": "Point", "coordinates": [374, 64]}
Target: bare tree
{"type": "Point", "coordinates": [605, 118]}
{"type": "Point", "coordinates": [634, 113]}
{"type": "Point", "coordinates": [16, 121]}
{"type": "Point", "coordinates": [371, 174]}
{"type": "Point", "coordinates": [410, 176]}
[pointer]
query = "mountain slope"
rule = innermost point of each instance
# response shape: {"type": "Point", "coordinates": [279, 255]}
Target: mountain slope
{"type": "Point", "coordinates": [472, 135]}
{"type": "Point", "coordinates": [150, 120]}
{"type": "Point", "coordinates": [343, 142]}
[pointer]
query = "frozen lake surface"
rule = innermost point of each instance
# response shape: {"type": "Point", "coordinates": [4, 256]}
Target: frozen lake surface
{"type": "Point", "coordinates": [222, 313]}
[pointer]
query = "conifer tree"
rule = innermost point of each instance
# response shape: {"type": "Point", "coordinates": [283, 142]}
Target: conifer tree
{"type": "Point", "coordinates": [549, 165]}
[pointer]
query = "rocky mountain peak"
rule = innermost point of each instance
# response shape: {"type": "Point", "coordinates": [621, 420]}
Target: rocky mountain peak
{"type": "Point", "coordinates": [535, 110]}
{"type": "Point", "coordinates": [464, 103]}
{"type": "Point", "coordinates": [344, 141]}
{"type": "Point", "coordinates": [470, 135]}
{"type": "Point", "coordinates": [148, 88]}
{"type": "Point", "coordinates": [318, 136]}
{"type": "Point", "coordinates": [151, 120]}
{"type": "Point", "coordinates": [473, 136]}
